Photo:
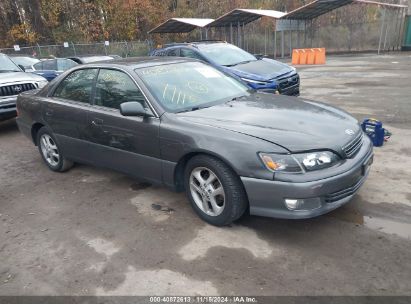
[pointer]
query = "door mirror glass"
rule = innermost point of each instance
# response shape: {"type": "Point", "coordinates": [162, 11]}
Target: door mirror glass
{"type": "Point", "coordinates": [133, 108]}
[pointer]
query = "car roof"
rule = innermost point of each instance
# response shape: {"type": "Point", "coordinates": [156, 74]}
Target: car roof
{"type": "Point", "coordinates": [193, 43]}
{"type": "Point", "coordinates": [140, 62]}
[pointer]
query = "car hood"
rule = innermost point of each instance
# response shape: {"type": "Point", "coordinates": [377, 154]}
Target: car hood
{"type": "Point", "coordinates": [264, 69]}
{"type": "Point", "coordinates": [293, 123]}
{"type": "Point", "coordinates": [13, 77]}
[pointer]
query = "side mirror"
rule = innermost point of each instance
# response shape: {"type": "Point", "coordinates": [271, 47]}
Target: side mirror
{"type": "Point", "coordinates": [259, 56]}
{"type": "Point", "coordinates": [22, 67]}
{"type": "Point", "coordinates": [133, 108]}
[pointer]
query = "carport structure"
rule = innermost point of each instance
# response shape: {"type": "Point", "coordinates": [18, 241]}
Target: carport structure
{"type": "Point", "coordinates": [238, 19]}
{"type": "Point", "coordinates": [182, 25]}
{"type": "Point", "coordinates": [232, 25]}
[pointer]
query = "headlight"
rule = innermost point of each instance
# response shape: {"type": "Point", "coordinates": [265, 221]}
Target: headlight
{"type": "Point", "coordinates": [281, 163]}
{"type": "Point", "coordinates": [42, 84]}
{"type": "Point", "coordinates": [299, 163]}
{"type": "Point", "coordinates": [254, 81]}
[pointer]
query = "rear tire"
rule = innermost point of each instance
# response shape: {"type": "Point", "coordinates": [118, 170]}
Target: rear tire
{"type": "Point", "coordinates": [214, 190]}
{"type": "Point", "coordinates": [51, 152]}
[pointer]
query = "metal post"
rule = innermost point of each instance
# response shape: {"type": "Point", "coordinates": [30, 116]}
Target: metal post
{"type": "Point", "coordinates": [396, 17]}
{"type": "Point", "coordinates": [298, 34]}
{"type": "Point", "coordinates": [231, 33]}
{"type": "Point", "coordinates": [312, 32]}
{"type": "Point", "coordinates": [386, 30]}
{"type": "Point", "coordinates": [400, 22]}
{"type": "Point", "coordinates": [290, 39]}
{"type": "Point", "coordinates": [265, 41]}
{"type": "Point", "coordinates": [275, 43]}
{"type": "Point", "coordinates": [243, 36]}
{"type": "Point", "coordinates": [305, 33]}
{"type": "Point", "coordinates": [382, 30]}
{"type": "Point", "coordinates": [39, 48]}
{"type": "Point", "coordinates": [282, 44]}
{"type": "Point", "coordinates": [74, 48]}
{"type": "Point", "coordinates": [238, 34]}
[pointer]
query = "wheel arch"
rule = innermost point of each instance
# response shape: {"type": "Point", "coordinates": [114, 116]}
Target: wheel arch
{"type": "Point", "coordinates": [34, 130]}
{"type": "Point", "coordinates": [182, 162]}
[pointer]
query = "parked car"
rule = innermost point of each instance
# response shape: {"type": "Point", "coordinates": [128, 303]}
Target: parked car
{"type": "Point", "coordinates": [25, 62]}
{"type": "Point", "coordinates": [232, 148]}
{"type": "Point", "coordinates": [91, 58]}
{"type": "Point", "coordinates": [51, 68]}
{"type": "Point", "coordinates": [259, 73]}
{"type": "Point", "coordinates": [13, 81]}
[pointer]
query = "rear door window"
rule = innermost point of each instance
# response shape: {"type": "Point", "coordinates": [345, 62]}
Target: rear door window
{"type": "Point", "coordinates": [173, 52]}
{"type": "Point", "coordinates": [38, 66]}
{"type": "Point", "coordinates": [77, 86]}
{"type": "Point", "coordinates": [50, 65]}
{"type": "Point", "coordinates": [65, 64]}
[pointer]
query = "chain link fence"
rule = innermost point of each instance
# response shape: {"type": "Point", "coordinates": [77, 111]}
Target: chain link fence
{"type": "Point", "coordinates": [123, 49]}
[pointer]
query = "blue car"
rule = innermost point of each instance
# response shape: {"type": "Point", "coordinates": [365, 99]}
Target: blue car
{"type": "Point", "coordinates": [259, 73]}
{"type": "Point", "coordinates": [51, 68]}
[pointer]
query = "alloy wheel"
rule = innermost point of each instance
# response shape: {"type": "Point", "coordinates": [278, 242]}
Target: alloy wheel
{"type": "Point", "coordinates": [207, 191]}
{"type": "Point", "coordinates": [49, 150]}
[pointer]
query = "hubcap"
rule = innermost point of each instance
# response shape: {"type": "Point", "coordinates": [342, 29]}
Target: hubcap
{"type": "Point", "coordinates": [49, 150]}
{"type": "Point", "coordinates": [207, 191]}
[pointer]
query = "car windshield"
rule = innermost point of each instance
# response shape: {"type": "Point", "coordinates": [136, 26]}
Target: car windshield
{"type": "Point", "coordinates": [225, 54]}
{"type": "Point", "coordinates": [6, 65]}
{"type": "Point", "coordinates": [25, 61]}
{"type": "Point", "coordinates": [190, 86]}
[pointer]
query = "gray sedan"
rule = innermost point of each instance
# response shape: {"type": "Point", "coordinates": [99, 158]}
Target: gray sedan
{"type": "Point", "coordinates": [183, 124]}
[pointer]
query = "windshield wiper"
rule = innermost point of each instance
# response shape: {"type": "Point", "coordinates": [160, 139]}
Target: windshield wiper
{"type": "Point", "coordinates": [238, 63]}
{"type": "Point", "coordinates": [235, 98]}
{"type": "Point", "coordinates": [8, 71]}
{"type": "Point", "coordinates": [192, 109]}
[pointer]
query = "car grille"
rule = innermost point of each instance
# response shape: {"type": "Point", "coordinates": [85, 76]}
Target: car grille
{"type": "Point", "coordinates": [339, 195]}
{"type": "Point", "coordinates": [16, 89]}
{"type": "Point", "coordinates": [286, 83]}
{"type": "Point", "coordinates": [352, 148]}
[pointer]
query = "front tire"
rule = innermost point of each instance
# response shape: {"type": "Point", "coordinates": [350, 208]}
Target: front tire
{"type": "Point", "coordinates": [51, 152]}
{"type": "Point", "coordinates": [214, 190]}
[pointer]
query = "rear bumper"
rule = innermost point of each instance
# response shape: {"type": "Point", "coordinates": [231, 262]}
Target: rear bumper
{"type": "Point", "coordinates": [8, 108]}
{"type": "Point", "coordinates": [267, 198]}
{"type": "Point", "coordinates": [24, 128]}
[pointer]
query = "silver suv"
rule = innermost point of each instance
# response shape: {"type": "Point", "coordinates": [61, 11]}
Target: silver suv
{"type": "Point", "coordinates": [13, 81]}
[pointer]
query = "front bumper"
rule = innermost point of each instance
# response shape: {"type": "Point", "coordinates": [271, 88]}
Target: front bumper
{"type": "Point", "coordinates": [8, 108]}
{"type": "Point", "coordinates": [267, 198]}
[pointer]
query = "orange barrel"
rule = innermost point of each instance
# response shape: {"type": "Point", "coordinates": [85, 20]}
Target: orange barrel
{"type": "Point", "coordinates": [310, 56]}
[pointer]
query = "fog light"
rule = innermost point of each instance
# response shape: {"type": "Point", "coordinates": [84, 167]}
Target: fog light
{"type": "Point", "coordinates": [293, 204]}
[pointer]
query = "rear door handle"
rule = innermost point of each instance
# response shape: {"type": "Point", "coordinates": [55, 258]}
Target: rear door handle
{"type": "Point", "coordinates": [97, 122]}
